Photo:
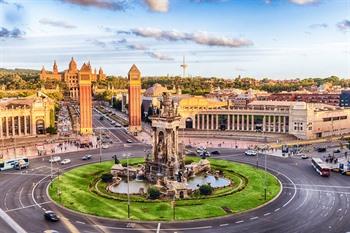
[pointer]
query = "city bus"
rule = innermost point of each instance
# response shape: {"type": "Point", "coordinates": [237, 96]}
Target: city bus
{"type": "Point", "coordinates": [18, 163]}
{"type": "Point", "coordinates": [321, 167]}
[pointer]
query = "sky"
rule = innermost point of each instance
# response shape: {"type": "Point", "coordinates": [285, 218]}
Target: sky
{"type": "Point", "coordinates": [279, 39]}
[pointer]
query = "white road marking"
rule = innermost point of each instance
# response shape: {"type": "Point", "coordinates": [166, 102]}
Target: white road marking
{"type": "Point", "coordinates": [28, 206]}
{"type": "Point", "coordinates": [14, 225]}
{"type": "Point", "coordinates": [267, 214]}
{"type": "Point", "coordinates": [277, 209]}
{"type": "Point", "coordinates": [240, 221]}
{"type": "Point", "coordinates": [80, 222]}
{"type": "Point", "coordinates": [254, 218]}
{"type": "Point", "coordinates": [158, 228]}
{"type": "Point", "coordinates": [20, 200]}
{"type": "Point", "coordinates": [222, 225]}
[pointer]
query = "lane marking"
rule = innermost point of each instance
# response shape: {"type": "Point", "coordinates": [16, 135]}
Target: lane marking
{"type": "Point", "coordinates": [19, 197]}
{"type": "Point", "coordinates": [14, 225]}
{"type": "Point", "coordinates": [318, 190]}
{"type": "Point", "coordinates": [28, 206]}
{"type": "Point", "coordinates": [158, 227]}
{"type": "Point", "coordinates": [267, 214]}
{"type": "Point", "coordinates": [239, 221]}
{"type": "Point", "coordinates": [277, 209]}
{"type": "Point", "coordinates": [223, 225]}
{"type": "Point", "coordinates": [254, 218]}
{"type": "Point", "coordinates": [80, 222]}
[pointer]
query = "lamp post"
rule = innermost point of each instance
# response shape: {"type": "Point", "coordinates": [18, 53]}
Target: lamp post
{"type": "Point", "coordinates": [265, 184]}
{"type": "Point", "coordinates": [100, 142]}
{"type": "Point", "coordinates": [128, 179]}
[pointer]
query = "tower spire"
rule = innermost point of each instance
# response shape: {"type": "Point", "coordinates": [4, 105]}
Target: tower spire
{"type": "Point", "coordinates": [184, 67]}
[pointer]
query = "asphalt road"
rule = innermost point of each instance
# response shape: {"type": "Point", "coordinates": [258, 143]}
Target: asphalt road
{"type": "Point", "coordinates": [308, 202]}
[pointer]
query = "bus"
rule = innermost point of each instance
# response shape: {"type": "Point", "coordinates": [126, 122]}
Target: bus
{"type": "Point", "coordinates": [18, 163]}
{"type": "Point", "coordinates": [321, 168]}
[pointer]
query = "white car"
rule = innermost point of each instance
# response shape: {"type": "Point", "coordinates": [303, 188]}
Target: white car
{"type": "Point", "coordinates": [55, 159]}
{"type": "Point", "coordinates": [250, 152]}
{"type": "Point", "coordinates": [105, 146]}
{"type": "Point", "coordinates": [65, 161]}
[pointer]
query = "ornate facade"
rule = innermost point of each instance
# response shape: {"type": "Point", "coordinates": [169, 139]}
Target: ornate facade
{"type": "Point", "coordinates": [70, 77]}
{"type": "Point", "coordinates": [134, 108]}
{"type": "Point", "coordinates": [23, 117]}
{"type": "Point", "coordinates": [300, 119]}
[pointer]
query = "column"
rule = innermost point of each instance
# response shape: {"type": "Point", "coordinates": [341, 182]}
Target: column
{"type": "Point", "coordinates": [212, 122]}
{"type": "Point", "coordinates": [248, 124]}
{"type": "Point", "coordinates": [233, 121]}
{"type": "Point", "coordinates": [263, 123]}
{"type": "Point", "coordinates": [253, 127]}
{"type": "Point", "coordinates": [242, 120]}
{"type": "Point", "coordinates": [13, 126]}
{"type": "Point", "coordinates": [193, 123]}
{"type": "Point", "coordinates": [217, 121]}
{"type": "Point", "coordinates": [268, 123]}
{"type": "Point", "coordinates": [279, 124]}
{"type": "Point", "coordinates": [202, 127]}
{"type": "Point", "coordinates": [228, 122]}
{"type": "Point", "coordinates": [25, 125]}
{"type": "Point", "coordinates": [284, 125]}
{"type": "Point", "coordinates": [238, 123]}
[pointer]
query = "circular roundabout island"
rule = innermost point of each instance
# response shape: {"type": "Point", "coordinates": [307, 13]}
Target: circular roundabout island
{"type": "Point", "coordinates": [227, 188]}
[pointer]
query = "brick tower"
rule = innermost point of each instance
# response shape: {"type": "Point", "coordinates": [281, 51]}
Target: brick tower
{"type": "Point", "coordinates": [134, 77]}
{"type": "Point", "coordinates": [85, 100]}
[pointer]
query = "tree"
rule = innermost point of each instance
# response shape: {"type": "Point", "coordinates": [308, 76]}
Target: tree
{"type": "Point", "coordinates": [106, 177]}
{"type": "Point", "coordinates": [205, 189]}
{"type": "Point", "coordinates": [153, 193]}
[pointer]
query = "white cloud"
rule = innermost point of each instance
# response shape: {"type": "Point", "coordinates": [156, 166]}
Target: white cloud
{"type": "Point", "coordinates": [158, 5]}
{"type": "Point", "coordinates": [303, 2]}
{"type": "Point", "coordinates": [56, 23]}
{"type": "Point", "coordinates": [159, 56]}
{"type": "Point", "coordinates": [344, 25]}
{"type": "Point", "coordinates": [202, 38]}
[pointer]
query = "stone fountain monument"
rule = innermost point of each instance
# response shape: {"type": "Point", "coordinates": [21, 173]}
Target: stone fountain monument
{"type": "Point", "coordinates": [164, 167]}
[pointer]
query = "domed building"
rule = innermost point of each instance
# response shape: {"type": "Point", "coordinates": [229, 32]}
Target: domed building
{"type": "Point", "coordinates": [156, 90]}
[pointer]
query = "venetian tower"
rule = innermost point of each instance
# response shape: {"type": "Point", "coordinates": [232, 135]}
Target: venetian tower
{"type": "Point", "coordinates": [134, 108]}
{"type": "Point", "coordinates": [85, 99]}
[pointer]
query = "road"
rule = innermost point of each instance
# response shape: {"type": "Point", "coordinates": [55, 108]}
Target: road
{"type": "Point", "coordinates": [308, 202]}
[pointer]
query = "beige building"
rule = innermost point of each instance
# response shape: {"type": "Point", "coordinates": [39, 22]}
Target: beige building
{"type": "Point", "coordinates": [303, 120]}
{"type": "Point", "coordinates": [23, 117]}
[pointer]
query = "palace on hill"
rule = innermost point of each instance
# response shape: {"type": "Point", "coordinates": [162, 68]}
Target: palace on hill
{"type": "Point", "coordinates": [71, 76]}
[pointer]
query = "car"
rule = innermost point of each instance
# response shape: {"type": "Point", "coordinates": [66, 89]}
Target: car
{"type": "Point", "coordinates": [129, 141]}
{"type": "Point", "coordinates": [303, 156]}
{"type": "Point", "coordinates": [250, 153]}
{"type": "Point", "coordinates": [51, 216]}
{"type": "Point", "coordinates": [321, 149]}
{"type": "Point", "coordinates": [337, 151]}
{"type": "Point", "coordinates": [105, 146]}
{"type": "Point", "coordinates": [86, 157]}
{"type": "Point", "coordinates": [215, 152]}
{"type": "Point", "coordinates": [101, 118]}
{"type": "Point", "coordinates": [55, 159]}
{"type": "Point", "coordinates": [204, 154]}
{"type": "Point", "coordinates": [66, 161]}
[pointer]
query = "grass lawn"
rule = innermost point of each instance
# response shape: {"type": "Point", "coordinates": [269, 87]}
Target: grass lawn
{"type": "Point", "coordinates": [77, 195]}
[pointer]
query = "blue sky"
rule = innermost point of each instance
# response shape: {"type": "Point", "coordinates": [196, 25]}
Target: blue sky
{"type": "Point", "coordinates": [279, 39]}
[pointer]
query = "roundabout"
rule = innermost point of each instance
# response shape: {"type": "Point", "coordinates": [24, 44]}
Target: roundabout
{"type": "Point", "coordinates": [81, 190]}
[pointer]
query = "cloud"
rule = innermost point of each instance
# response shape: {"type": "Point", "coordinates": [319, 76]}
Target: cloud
{"type": "Point", "coordinates": [304, 2]}
{"type": "Point", "coordinates": [17, 5]}
{"type": "Point", "coordinates": [56, 23]}
{"type": "Point", "coordinates": [98, 43]}
{"type": "Point", "coordinates": [136, 47]}
{"type": "Point", "coordinates": [159, 56]}
{"type": "Point", "coordinates": [113, 5]}
{"type": "Point", "coordinates": [158, 5]}
{"type": "Point", "coordinates": [202, 38]}
{"type": "Point", "coordinates": [15, 33]}
{"type": "Point", "coordinates": [318, 25]}
{"type": "Point", "coordinates": [344, 25]}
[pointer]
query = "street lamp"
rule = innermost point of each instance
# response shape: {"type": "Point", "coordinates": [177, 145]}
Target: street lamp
{"type": "Point", "coordinates": [265, 184]}
{"type": "Point", "coordinates": [128, 179]}
{"type": "Point", "coordinates": [100, 142]}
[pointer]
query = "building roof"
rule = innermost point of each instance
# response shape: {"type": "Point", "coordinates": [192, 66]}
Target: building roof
{"type": "Point", "coordinates": [274, 103]}
{"type": "Point", "coordinates": [155, 91]}
{"type": "Point", "coordinates": [199, 101]}
{"type": "Point", "coordinates": [134, 69]}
